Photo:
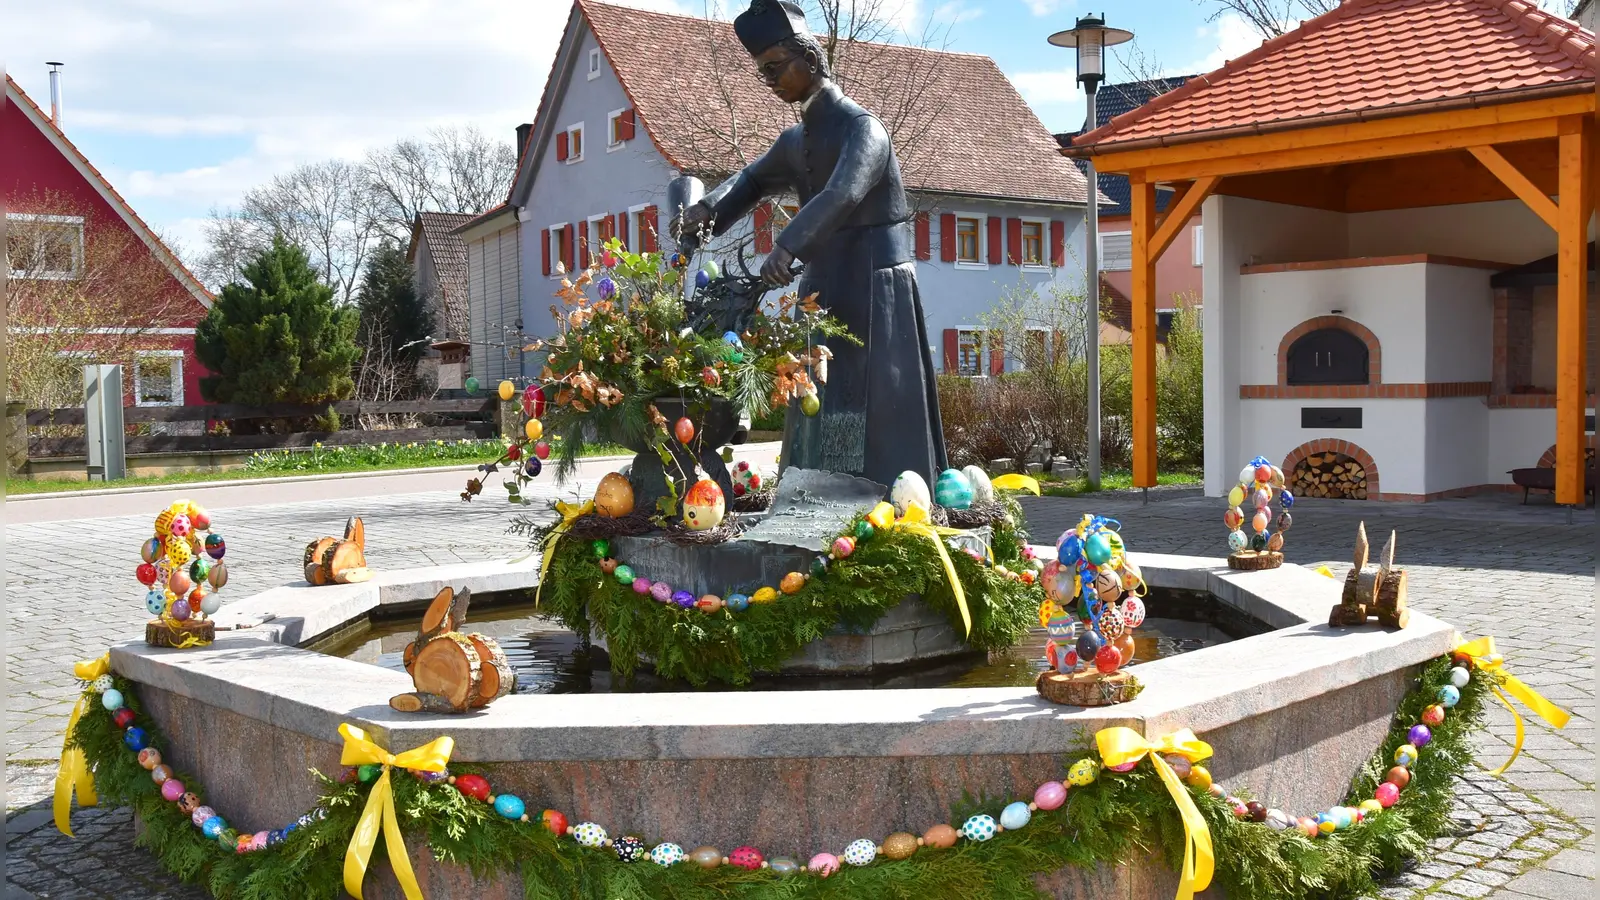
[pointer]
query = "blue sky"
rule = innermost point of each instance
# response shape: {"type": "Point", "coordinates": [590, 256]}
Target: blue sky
{"type": "Point", "coordinates": [186, 104]}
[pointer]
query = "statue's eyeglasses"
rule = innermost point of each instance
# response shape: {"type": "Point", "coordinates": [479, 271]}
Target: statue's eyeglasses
{"type": "Point", "coordinates": [770, 72]}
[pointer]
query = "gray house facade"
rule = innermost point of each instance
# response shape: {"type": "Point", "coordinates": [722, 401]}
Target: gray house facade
{"type": "Point", "coordinates": [627, 108]}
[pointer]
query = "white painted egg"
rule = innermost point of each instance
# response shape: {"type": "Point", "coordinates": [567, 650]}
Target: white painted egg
{"type": "Point", "coordinates": [982, 487]}
{"type": "Point", "coordinates": [910, 488]}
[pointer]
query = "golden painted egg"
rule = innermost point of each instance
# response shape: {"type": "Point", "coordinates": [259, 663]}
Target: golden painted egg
{"type": "Point", "coordinates": [764, 595]}
{"type": "Point", "coordinates": [704, 505]}
{"type": "Point", "coordinates": [614, 496]}
{"type": "Point", "coordinates": [792, 583]}
{"type": "Point", "coordinates": [899, 845]}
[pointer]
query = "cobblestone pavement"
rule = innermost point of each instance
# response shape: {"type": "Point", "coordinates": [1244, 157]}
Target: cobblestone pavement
{"type": "Point", "coordinates": [1528, 834]}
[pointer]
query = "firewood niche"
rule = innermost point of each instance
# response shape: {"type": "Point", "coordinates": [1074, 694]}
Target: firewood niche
{"type": "Point", "coordinates": [453, 672]}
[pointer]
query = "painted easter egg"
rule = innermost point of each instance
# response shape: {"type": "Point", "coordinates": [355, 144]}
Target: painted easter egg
{"type": "Point", "coordinates": [746, 480]}
{"type": "Point", "coordinates": [823, 864]}
{"type": "Point", "coordinates": [1052, 653]}
{"type": "Point", "coordinates": [1275, 542]}
{"type": "Point", "coordinates": [982, 487]}
{"type": "Point", "coordinates": [952, 490]}
{"type": "Point", "coordinates": [1133, 611]}
{"type": "Point", "coordinates": [1235, 496]}
{"type": "Point", "coordinates": [507, 390]}
{"type": "Point", "coordinates": [1062, 625]}
{"type": "Point", "coordinates": [589, 834]}
{"type": "Point", "coordinates": [1259, 521]}
{"type": "Point", "coordinates": [783, 866]}
{"type": "Point", "coordinates": [683, 599]}
{"type": "Point", "coordinates": [738, 602]}
{"type": "Point", "coordinates": [900, 845]}
{"type": "Point", "coordinates": [1107, 585]}
{"type": "Point", "coordinates": [1449, 696]}
{"type": "Point", "coordinates": [555, 821]}
{"type": "Point", "coordinates": [1083, 772]}
{"type": "Point", "coordinates": [155, 602]}
{"type": "Point", "coordinates": [613, 497]}
{"type": "Point", "coordinates": [1247, 475]}
{"type": "Point", "coordinates": [178, 550]}
{"type": "Point", "coordinates": [1433, 714]}
{"type": "Point", "coordinates": [764, 595]}
{"type": "Point", "coordinates": [683, 430]}
{"type": "Point", "coordinates": [1368, 808]}
{"type": "Point", "coordinates": [180, 610]}
{"type": "Point", "coordinates": [908, 488]}
{"type": "Point", "coordinates": [1097, 548]}
{"type": "Point", "coordinates": [1399, 776]}
{"type": "Point", "coordinates": [1405, 755]}
{"type": "Point", "coordinates": [533, 429]}
{"type": "Point", "coordinates": [1015, 815]}
{"type": "Point", "coordinates": [1069, 547]}
{"type": "Point", "coordinates": [149, 758]}
{"type": "Point", "coordinates": [706, 857]}
{"type": "Point", "coordinates": [1050, 795]}
{"type": "Point", "coordinates": [1386, 795]}
{"type": "Point", "coordinates": [216, 547]}
{"type": "Point", "coordinates": [628, 848]}
{"type": "Point", "coordinates": [810, 403]}
{"type": "Point", "coordinates": [1459, 677]}
{"type": "Point", "coordinates": [1285, 498]}
{"type": "Point", "coordinates": [861, 852]}
{"type": "Point", "coordinates": [1108, 659]}
{"type": "Point", "coordinates": [1111, 624]}
{"type": "Point", "coordinates": [1233, 518]}
{"type": "Point", "coordinates": [710, 603]}
{"type": "Point", "coordinates": [1419, 735]}
{"type": "Point", "coordinates": [1262, 498]}
{"type": "Point", "coordinates": [843, 546]}
{"type": "Point", "coordinates": [980, 827]}
{"type": "Point", "coordinates": [661, 592]}
{"type": "Point", "coordinates": [179, 582]}
{"type": "Point", "coordinates": [704, 505]}
{"type": "Point", "coordinates": [792, 583]}
{"type": "Point", "coordinates": [209, 602]}
{"type": "Point", "coordinates": [188, 803]}
{"type": "Point", "coordinates": [474, 786]}
{"type": "Point", "coordinates": [666, 854]}
{"type": "Point", "coordinates": [1237, 540]}
{"type": "Point", "coordinates": [1088, 645]}
{"type": "Point", "coordinates": [940, 837]}
{"type": "Point", "coordinates": [746, 857]}
{"type": "Point", "coordinates": [151, 550]}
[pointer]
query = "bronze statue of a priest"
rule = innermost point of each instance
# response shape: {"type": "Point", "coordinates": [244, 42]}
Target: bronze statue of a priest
{"type": "Point", "coordinates": [880, 407]}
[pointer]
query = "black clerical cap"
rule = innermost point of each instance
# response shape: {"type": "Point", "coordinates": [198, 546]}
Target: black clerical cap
{"type": "Point", "coordinates": [767, 22]}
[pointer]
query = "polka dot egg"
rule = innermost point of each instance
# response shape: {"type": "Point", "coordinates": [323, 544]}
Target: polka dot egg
{"type": "Point", "coordinates": [1082, 772]}
{"type": "Point", "coordinates": [861, 852]}
{"type": "Point", "coordinates": [101, 684]}
{"type": "Point", "coordinates": [589, 834]}
{"type": "Point", "coordinates": [1449, 696]}
{"type": "Point", "coordinates": [628, 848]}
{"type": "Point", "coordinates": [667, 854]}
{"type": "Point", "coordinates": [979, 828]}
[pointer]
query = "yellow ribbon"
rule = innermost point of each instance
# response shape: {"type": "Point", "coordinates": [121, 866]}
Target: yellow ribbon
{"type": "Point", "coordinates": [432, 757]}
{"type": "Point", "coordinates": [1119, 746]}
{"type": "Point", "coordinates": [570, 512]}
{"type": "Point", "coordinates": [1324, 571]}
{"type": "Point", "coordinates": [73, 777]}
{"type": "Point", "coordinates": [1487, 659]}
{"type": "Point", "coordinates": [916, 522]}
{"type": "Point", "coordinates": [1015, 482]}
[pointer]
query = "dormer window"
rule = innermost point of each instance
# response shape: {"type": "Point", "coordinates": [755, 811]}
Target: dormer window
{"type": "Point", "coordinates": [569, 144]}
{"type": "Point", "coordinates": [594, 64]}
{"type": "Point", "coordinates": [1328, 356]}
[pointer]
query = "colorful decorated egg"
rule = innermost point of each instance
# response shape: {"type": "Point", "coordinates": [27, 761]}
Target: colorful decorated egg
{"type": "Point", "coordinates": [710, 603]}
{"type": "Point", "coordinates": [178, 550]}
{"type": "Point", "coordinates": [152, 550]}
{"type": "Point", "coordinates": [149, 758]}
{"type": "Point", "coordinates": [900, 845]}
{"type": "Point", "coordinates": [613, 497]}
{"type": "Point", "coordinates": [704, 505]}
{"type": "Point", "coordinates": [764, 595]}
{"type": "Point", "coordinates": [982, 487]}
{"type": "Point", "coordinates": [843, 546]}
{"type": "Point", "coordinates": [1275, 542]}
{"type": "Point", "coordinates": [217, 577]}
{"type": "Point", "coordinates": [1108, 659]}
{"type": "Point", "coordinates": [1237, 540]}
{"type": "Point", "coordinates": [783, 866]}
{"type": "Point", "coordinates": [1233, 518]}
{"type": "Point", "coordinates": [907, 489]}
{"type": "Point", "coordinates": [1235, 496]}
{"type": "Point", "coordinates": [661, 592]}
{"type": "Point", "coordinates": [1083, 772]}
{"type": "Point", "coordinates": [1449, 696]}
{"type": "Point", "coordinates": [1405, 755]}
{"type": "Point", "coordinates": [823, 864]}
{"type": "Point", "coordinates": [980, 827]}
{"type": "Point", "coordinates": [135, 738]}
{"type": "Point", "coordinates": [1015, 815]}
{"type": "Point", "coordinates": [792, 583]}
{"type": "Point", "coordinates": [1111, 624]}
{"type": "Point", "coordinates": [1107, 585]}
{"type": "Point", "coordinates": [155, 602]}
{"type": "Point", "coordinates": [507, 805]}
{"type": "Point", "coordinates": [1097, 548]}
{"type": "Point", "coordinates": [474, 786]}
{"type": "Point", "coordinates": [683, 430]}
{"type": "Point", "coordinates": [1089, 643]}
{"type": "Point", "coordinates": [1133, 611]}
{"type": "Point", "coordinates": [1247, 475]}
{"type": "Point", "coordinates": [555, 821]}
{"type": "Point", "coordinates": [216, 546]}
{"type": "Point", "coordinates": [1285, 498]}
{"type": "Point", "coordinates": [1433, 715]}
{"type": "Point", "coordinates": [861, 852]}
{"type": "Point", "coordinates": [180, 610]}
{"type": "Point", "coordinates": [684, 599]}
{"type": "Point", "coordinates": [628, 848]}
{"type": "Point", "coordinates": [1386, 795]}
{"type": "Point", "coordinates": [589, 834]}
{"type": "Point", "coordinates": [746, 480]}
{"type": "Point", "coordinates": [179, 527]}
{"type": "Point", "coordinates": [1050, 795]}
{"type": "Point", "coordinates": [746, 857]}
{"type": "Point", "coordinates": [1258, 522]}
{"type": "Point", "coordinates": [666, 854]}
{"type": "Point", "coordinates": [1062, 625]}
{"type": "Point", "coordinates": [952, 490]}
{"type": "Point", "coordinates": [738, 602]}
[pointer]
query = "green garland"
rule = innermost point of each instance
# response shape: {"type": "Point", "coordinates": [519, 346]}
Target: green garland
{"type": "Point", "coordinates": [1120, 817]}
{"type": "Point", "coordinates": [856, 591]}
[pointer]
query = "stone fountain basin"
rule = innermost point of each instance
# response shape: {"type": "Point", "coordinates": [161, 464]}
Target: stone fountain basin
{"type": "Point", "coordinates": [1292, 713]}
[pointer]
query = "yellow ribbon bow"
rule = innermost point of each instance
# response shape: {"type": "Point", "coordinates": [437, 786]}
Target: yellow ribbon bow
{"type": "Point", "coordinates": [1015, 482]}
{"type": "Point", "coordinates": [570, 512]}
{"type": "Point", "coordinates": [1487, 659]}
{"type": "Point", "coordinates": [73, 777]}
{"type": "Point", "coordinates": [916, 521]}
{"type": "Point", "coordinates": [431, 757]}
{"type": "Point", "coordinates": [1119, 746]}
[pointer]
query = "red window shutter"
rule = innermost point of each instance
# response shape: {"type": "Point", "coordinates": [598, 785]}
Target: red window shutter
{"type": "Point", "coordinates": [566, 247]}
{"type": "Point", "coordinates": [763, 228]}
{"type": "Point", "coordinates": [997, 352]}
{"type": "Point", "coordinates": [947, 237]}
{"type": "Point", "coordinates": [1058, 243]}
{"type": "Point", "coordinates": [996, 251]}
{"type": "Point", "coordinates": [1014, 242]}
{"type": "Point", "coordinates": [583, 245]}
{"type": "Point", "coordinates": [625, 125]}
{"type": "Point", "coordinates": [647, 230]}
{"type": "Point", "coordinates": [622, 230]}
{"type": "Point", "coordinates": [952, 351]}
{"type": "Point", "coordinates": [544, 250]}
{"type": "Point", "coordinates": [924, 238]}
{"type": "Point", "coordinates": [561, 147]}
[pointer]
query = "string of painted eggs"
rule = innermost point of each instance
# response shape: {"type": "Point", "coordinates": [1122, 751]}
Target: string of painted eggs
{"type": "Point", "coordinates": [183, 568]}
{"type": "Point", "coordinates": [1093, 577]}
{"type": "Point", "coordinates": [1258, 481]}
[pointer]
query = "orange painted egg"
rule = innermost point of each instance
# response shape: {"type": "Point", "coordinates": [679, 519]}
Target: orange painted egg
{"type": "Point", "coordinates": [703, 506]}
{"type": "Point", "coordinates": [614, 496]}
{"type": "Point", "coordinates": [939, 836]}
{"type": "Point", "coordinates": [792, 583]}
{"type": "Point", "coordinates": [683, 430]}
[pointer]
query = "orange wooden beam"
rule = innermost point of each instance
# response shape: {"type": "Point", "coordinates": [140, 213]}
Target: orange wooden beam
{"type": "Point", "coordinates": [1143, 300]}
{"type": "Point", "coordinates": [1179, 211]}
{"type": "Point", "coordinates": [1519, 184]}
{"type": "Point", "coordinates": [1572, 279]}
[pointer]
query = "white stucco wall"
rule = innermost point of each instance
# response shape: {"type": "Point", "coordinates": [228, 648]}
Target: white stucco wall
{"type": "Point", "coordinates": [1515, 439]}
{"type": "Point", "coordinates": [1459, 336]}
{"type": "Point", "coordinates": [1500, 231]}
{"type": "Point", "coordinates": [1382, 298]}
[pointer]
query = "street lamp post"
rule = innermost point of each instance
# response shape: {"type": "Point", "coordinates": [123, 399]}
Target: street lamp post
{"type": "Point", "coordinates": [1089, 37]}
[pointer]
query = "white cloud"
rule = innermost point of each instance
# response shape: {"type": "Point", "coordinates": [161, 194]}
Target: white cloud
{"type": "Point", "coordinates": [1054, 88]}
{"type": "Point", "coordinates": [1230, 37]}
{"type": "Point", "coordinates": [1042, 7]}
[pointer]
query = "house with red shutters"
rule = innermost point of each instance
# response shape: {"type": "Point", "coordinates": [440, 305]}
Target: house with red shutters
{"type": "Point", "coordinates": [997, 207]}
{"type": "Point", "coordinates": [89, 281]}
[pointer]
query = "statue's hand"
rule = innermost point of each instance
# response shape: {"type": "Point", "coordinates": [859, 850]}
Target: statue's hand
{"type": "Point", "coordinates": [694, 220]}
{"type": "Point", "coordinates": [775, 271]}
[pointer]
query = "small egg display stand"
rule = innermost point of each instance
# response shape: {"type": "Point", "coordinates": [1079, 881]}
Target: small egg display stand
{"type": "Point", "coordinates": [1091, 579]}
{"type": "Point", "coordinates": [182, 572]}
{"type": "Point", "coordinates": [1372, 590]}
{"type": "Point", "coordinates": [1259, 481]}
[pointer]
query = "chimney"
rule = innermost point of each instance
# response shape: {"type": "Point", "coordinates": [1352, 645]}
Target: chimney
{"type": "Point", "coordinates": [55, 92]}
{"type": "Point", "coordinates": [522, 137]}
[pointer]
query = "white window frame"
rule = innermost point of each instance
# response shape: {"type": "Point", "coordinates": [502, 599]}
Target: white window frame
{"type": "Point", "coordinates": [611, 130]}
{"type": "Point", "coordinates": [1022, 357]}
{"type": "Point", "coordinates": [635, 235]}
{"type": "Point", "coordinates": [1198, 245]}
{"type": "Point", "coordinates": [555, 249]}
{"type": "Point", "coordinates": [983, 241]}
{"type": "Point", "coordinates": [1108, 234]}
{"type": "Point", "coordinates": [982, 338]}
{"type": "Point", "coordinates": [595, 68]}
{"type": "Point", "coordinates": [1043, 265]}
{"type": "Point", "coordinates": [73, 222]}
{"type": "Point", "coordinates": [582, 142]}
{"type": "Point", "coordinates": [595, 247]}
{"type": "Point", "coordinates": [177, 377]}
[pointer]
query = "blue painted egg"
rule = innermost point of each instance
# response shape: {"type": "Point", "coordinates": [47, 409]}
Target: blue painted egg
{"type": "Point", "coordinates": [1069, 547]}
{"type": "Point", "coordinates": [1449, 695]}
{"type": "Point", "coordinates": [666, 854]}
{"type": "Point", "coordinates": [1097, 549]}
{"type": "Point", "coordinates": [155, 602]}
{"type": "Point", "coordinates": [1285, 498]}
{"type": "Point", "coordinates": [738, 602]}
{"type": "Point", "coordinates": [1015, 816]}
{"type": "Point", "coordinates": [135, 738]}
{"type": "Point", "coordinates": [1088, 645]}
{"type": "Point", "coordinates": [702, 278]}
{"type": "Point", "coordinates": [212, 826]}
{"type": "Point", "coordinates": [508, 806]}
{"type": "Point", "coordinates": [731, 337]}
{"type": "Point", "coordinates": [1237, 540]}
{"type": "Point", "coordinates": [952, 490]}
{"type": "Point", "coordinates": [979, 828]}
{"type": "Point", "coordinates": [111, 699]}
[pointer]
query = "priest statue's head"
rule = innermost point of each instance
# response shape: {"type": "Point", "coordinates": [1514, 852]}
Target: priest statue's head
{"type": "Point", "coordinates": [788, 58]}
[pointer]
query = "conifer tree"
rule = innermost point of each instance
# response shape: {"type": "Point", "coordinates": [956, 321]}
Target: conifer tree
{"type": "Point", "coordinates": [391, 311]}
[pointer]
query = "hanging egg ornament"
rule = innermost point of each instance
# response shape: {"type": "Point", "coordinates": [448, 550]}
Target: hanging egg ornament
{"type": "Point", "coordinates": [1236, 495]}
{"type": "Point", "coordinates": [507, 390]}
{"type": "Point", "coordinates": [1247, 475]}
{"type": "Point", "coordinates": [155, 602]}
{"type": "Point", "coordinates": [1107, 585]}
{"type": "Point", "coordinates": [1233, 518]}
{"type": "Point", "coordinates": [215, 546]}
{"type": "Point", "coordinates": [702, 278]}
{"type": "Point", "coordinates": [613, 498]}
{"type": "Point", "coordinates": [704, 506]}
{"type": "Point", "coordinates": [1133, 611]}
{"type": "Point", "coordinates": [810, 403]}
{"type": "Point", "coordinates": [907, 489]}
{"type": "Point", "coordinates": [146, 573]}
{"type": "Point", "coordinates": [533, 429]}
{"type": "Point", "coordinates": [1097, 548]}
{"type": "Point", "coordinates": [1285, 498]}
{"type": "Point", "coordinates": [1285, 521]}
{"type": "Point", "coordinates": [471, 384]}
{"type": "Point", "coordinates": [982, 487]}
{"type": "Point", "coordinates": [606, 288]}
{"type": "Point", "coordinates": [1111, 624]}
{"type": "Point", "coordinates": [952, 490]}
{"type": "Point", "coordinates": [164, 522]}
{"type": "Point", "coordinates": [683, 430]}
{"type": "Point", "coordinates": [980, 828]}
{"type": "Point", "coordinates": [151, 550]}
{"type": "Point", "coordinates": [178, 550]}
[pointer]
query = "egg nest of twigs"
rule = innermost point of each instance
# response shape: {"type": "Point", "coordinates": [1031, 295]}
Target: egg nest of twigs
{"type": "Point", "coordinates": [978, 515]}
{"type": "Point", "coordinates": [754, 501]}
{"type": "Point", "coordinates": [732, 526]}
{"type": "Point", "coordinates": [594, 526]}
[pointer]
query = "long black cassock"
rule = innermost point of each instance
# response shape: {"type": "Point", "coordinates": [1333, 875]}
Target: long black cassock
{"type": "Point", "coordinates": [880, 406]}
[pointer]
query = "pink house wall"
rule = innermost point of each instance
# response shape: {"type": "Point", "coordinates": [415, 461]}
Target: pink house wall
{"type": "Point", "coordinates": [1176, 272]}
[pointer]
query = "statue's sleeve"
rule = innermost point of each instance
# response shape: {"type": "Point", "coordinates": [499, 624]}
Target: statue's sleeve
{"type": "Point", "coordinates": [770, 174]}
{"type": "Point", "coordinates": [862, 158]}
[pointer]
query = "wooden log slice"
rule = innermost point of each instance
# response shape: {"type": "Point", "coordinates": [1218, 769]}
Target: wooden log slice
{"type": "Point", "coordinates": [410, 656]}
{"type": "Point", "coordinates": [1392, 591]}
{"type": "Point", "coordinates": [498, 678]}
{"type": "Point", "coordinates": [1088, 688]}
{"type": "Point", "coordinates": [449, 666]}
{"type": "Point", "coordinates": [339, 558]}
{"type": "Point", "coordinates": [1362, 548]}
{"type": "Point", "coordinates": [420, 702]}
{"type": "Point", "coordinates": [1347, 614]}
{"type": "Point", "coordinates": [313, 559]}
{"type": "Point", "coordinates": [447, 612]}
{"type": "Point", "coordinates": [1253, 561]}
{"type": "Point", "coordinates": [158, 633]}
{"type": "Point", "coordinates": [1367, 585]}
{"type": "Point", "coordinates": [355, 532]}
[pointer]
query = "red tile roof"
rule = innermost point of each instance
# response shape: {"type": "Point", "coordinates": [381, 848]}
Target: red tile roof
{"type": "Point", "coordinates": [968, 132]}
{"type": "Point", "coordinates": [449, 253]}
{"type": "Point", "coordinates": [140, 227]}
{"type": "Point", "coordinates": [1370, 55]}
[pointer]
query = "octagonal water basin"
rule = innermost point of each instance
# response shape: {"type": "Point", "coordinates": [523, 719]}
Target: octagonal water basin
{"type": "Point", "coordinates": [1293, 711]}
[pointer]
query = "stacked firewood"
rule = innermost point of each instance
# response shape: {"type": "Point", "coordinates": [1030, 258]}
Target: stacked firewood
{"type": "Point", "coordinates": [1330, 475]}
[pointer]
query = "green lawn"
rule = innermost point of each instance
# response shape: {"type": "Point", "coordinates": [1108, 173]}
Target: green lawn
{"type": "Point", "coordinates": [1109, 481]}
{"type": "Point", "coordinates": [314, 461]}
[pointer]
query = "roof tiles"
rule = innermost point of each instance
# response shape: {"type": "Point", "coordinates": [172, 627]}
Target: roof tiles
{"type": "Point", "coordinates": [448, 250]}
{"type": "Point", "coordinates": [1370, 55]}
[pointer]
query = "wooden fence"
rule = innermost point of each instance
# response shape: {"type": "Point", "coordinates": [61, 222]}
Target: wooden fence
{"type": "Point", "coordinates": [454, 420]}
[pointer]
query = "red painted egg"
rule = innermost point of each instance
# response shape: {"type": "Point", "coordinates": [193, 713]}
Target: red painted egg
{"type": "Point", "coordinates": [1108, 659]}
{"type": "Point", "coordinates": [1263, 473]}
{"type": "Point", "coordinates": [746, 858]}
{"type": "Point", "coordinates": [684, 430]}
{"type": "Point", "coordinates": [146, 574]}
{"type": "Point", "coordinates": [123, 717]}
{"type": "Point", "coordinates": [542, 449]}
{"type": "Point", "coordinates": [474, 786]}
{"type": "Point", "coordinates": [514, 452]}
{"type": "Point", "coordinates": [555, 821]}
